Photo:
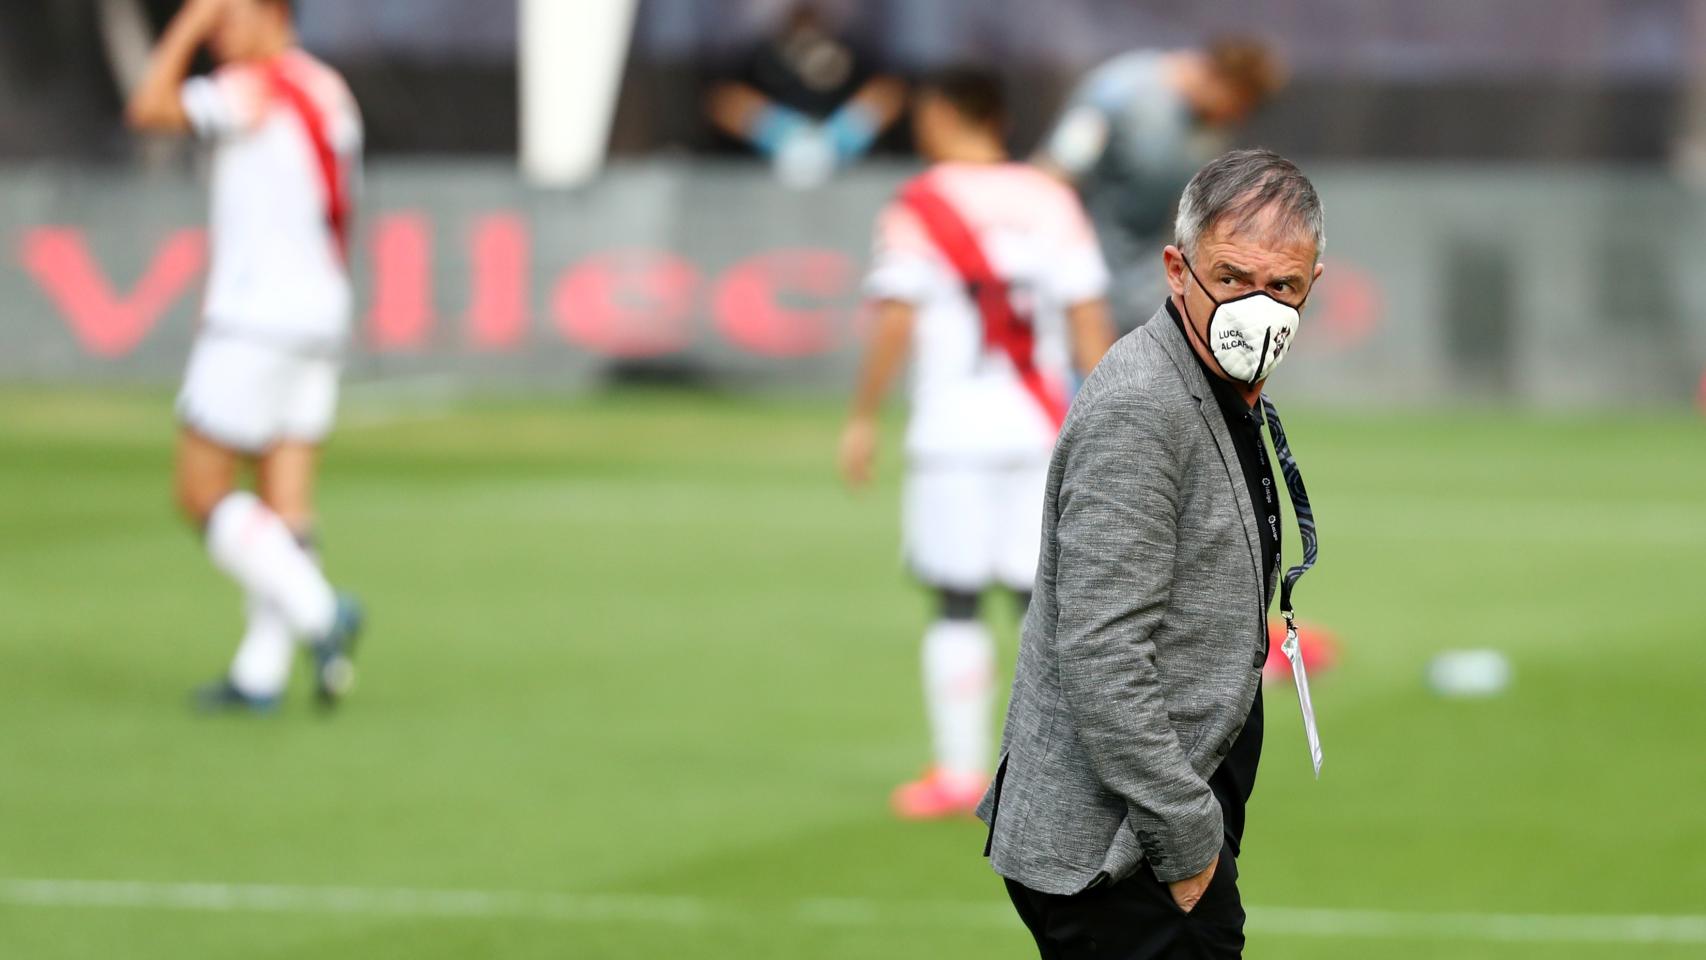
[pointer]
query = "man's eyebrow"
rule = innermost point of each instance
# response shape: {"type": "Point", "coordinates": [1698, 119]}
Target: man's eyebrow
{"type": "Point", "coordinates": [1239, 272]}
{"type": "Point", "coordinates": [1290, 278]}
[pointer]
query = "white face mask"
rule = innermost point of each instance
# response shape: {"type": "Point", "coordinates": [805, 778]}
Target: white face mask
{"type": "Point", "coordinates": [1248, 335]}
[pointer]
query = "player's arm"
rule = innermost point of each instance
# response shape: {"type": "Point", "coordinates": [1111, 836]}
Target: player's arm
{"type": "Point", "coordinates": [883, 360]}
{"type": "Point", "coordinates": [156, 105]}
{"type": "Point", "coordinates": [1092, 331]}
{"type": "Point", "coordinates": [1075, 145]}
{"type": "Point", "coordinates": [1079, 138]}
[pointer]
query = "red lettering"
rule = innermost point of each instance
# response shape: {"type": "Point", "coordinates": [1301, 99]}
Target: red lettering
{"type": "Point", "coordinates": [499, 251]}
{"type": "Point", "coordinates": [627, 303]}
{"type": "Point", "coordinates": [401, 316]}
{"type": "Point", "coordinates": [749, 314]}
{"type": "Point", "coordinates": [106, 323]}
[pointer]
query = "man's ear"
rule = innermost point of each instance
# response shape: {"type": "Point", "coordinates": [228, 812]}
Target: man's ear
{"type": "Point", "coordinates": [1314, 278]}
{"type": "Point", "coordinates": [1173, 261]}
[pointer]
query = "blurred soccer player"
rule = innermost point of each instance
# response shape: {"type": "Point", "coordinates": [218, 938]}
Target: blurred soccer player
{"type": "Point", "coordinates": [1134, 131]}
{"type": "Point", "coordinates": [988, 272]}
{"type": "Point", "coordinates": [262, 382]}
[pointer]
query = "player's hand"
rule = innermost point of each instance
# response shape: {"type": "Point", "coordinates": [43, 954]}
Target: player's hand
{"type": "Point", "coordinates": [201, 16]}
{"type": "Point", "coordinates": [858, 451]}
{"type": "Point", "coordinates": [1188, 891]}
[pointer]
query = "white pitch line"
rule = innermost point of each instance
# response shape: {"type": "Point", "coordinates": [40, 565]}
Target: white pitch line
{"type": "Point", "coordinates": [829, 912]}
{"type": "Point", "coordinates": [1502, 927]}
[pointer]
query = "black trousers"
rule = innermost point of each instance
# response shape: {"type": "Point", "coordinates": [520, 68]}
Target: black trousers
{"type": "Point", "coordinates": [1136, 919]}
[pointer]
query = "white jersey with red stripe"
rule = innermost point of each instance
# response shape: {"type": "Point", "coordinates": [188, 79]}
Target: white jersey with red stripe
{"type": "Point", "coordinates": [968, 402]}
{"type": "Point", "coordinates": [277, 269]}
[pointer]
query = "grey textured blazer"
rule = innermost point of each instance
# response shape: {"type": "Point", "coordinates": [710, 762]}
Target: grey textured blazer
{"type": "Point", "coordinates": [1144, 644]}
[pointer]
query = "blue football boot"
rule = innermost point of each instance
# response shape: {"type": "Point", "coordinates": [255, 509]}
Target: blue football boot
{"type": "Point", "coordinates": [334, 654]}
{"type": "Point", "coordinates": [222, 696]}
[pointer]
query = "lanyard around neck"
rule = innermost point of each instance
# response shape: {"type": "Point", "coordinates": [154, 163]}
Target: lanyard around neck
{"type": "Point", "coordinates": [1299, 505]}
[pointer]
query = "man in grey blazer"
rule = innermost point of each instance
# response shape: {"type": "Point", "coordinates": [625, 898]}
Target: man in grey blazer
{"type": "Point", "coordinates": [1134, 729]}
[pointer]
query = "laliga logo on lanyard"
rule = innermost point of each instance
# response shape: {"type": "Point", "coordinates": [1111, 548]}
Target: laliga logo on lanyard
{"type": "Point", "coordinates": [1249, 335]}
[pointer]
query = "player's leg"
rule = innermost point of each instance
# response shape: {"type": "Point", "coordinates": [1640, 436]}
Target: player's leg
{"type": "Point", "coordinates": [206, 486]}
{"type": "Point", "coordinates": [283, 479]}
{"type": "Point", "coordinates": [1020, 493]}
{"type": "Point", "coordinates": [949, 546]}
{"type": "Point", "coordinates": [230, 405]}
{"type": "Point", "coordinates": [287, 478]}
{"type": "Point", "coordinates": [260, 670]}
{"type": "Point", "coordinates": [203, 473]}
{"type": "Point", "coordinates": [959, 689]}
{"type": "Point", "coordinates": [220, 426]}
{"type": "Point", "coordinates": [285, 482]}
{"type": "Point", "coordinates": [255, 548]}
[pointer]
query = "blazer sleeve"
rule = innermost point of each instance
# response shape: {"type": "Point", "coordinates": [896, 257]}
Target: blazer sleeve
{"type": "Point", "coordinates": [1117, 530]}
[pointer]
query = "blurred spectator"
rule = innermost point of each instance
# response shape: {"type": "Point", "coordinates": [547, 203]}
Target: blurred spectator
{"type": "Point", "coordinates": [1133, 132]}
{"type": "Point", "coordinates": [806, 99]}
{"type": "Point", "coordinates": [1690, 150]}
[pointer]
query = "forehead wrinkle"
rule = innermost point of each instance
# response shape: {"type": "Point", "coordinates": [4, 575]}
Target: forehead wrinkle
{"type": "Point", "coordinates": [1251, 260]}
{"type": "Point", "coordinates": [1294, 246]}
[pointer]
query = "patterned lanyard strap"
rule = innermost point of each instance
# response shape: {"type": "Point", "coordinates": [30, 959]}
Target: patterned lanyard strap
{"type": "Point", "coordinates": [1299, 506]}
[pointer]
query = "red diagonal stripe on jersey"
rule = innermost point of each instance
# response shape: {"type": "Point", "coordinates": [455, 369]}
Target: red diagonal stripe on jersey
{"type": "Point", "coordinates": [1002, 328]}
{"type": "Point", "coordinates": [331, 171]}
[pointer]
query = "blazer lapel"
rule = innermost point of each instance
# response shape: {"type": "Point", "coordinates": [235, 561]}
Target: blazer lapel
{"type": "Point", "coordinates": [1190, 369]}
{"type": "Point", "coordinates": [1210, 410]}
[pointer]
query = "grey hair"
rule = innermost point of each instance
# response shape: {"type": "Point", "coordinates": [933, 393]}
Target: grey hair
{"type": "Point", "coordinates": [1241, 185]}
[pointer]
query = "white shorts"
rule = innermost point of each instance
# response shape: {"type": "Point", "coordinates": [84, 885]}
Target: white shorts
{"type": "Point", "coordinates": [968, 526]}
{"type": "Point", "coordinates": [248, 395]}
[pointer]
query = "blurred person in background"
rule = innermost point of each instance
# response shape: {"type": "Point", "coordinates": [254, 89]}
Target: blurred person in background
{"type": "Point", "coordinates": [262, 382]}
{"type": "Point", "coordinates": [1133, 131]}
{"type": "Point", "coordinates": [987, 271]}
{"type": "Point", "coordinates": [806, 99]}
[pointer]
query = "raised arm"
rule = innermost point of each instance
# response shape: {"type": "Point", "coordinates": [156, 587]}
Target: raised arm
{"type": "Point", "coordinates": [1081, 135]}
{"type": "Point", "coordinates": [1117, 531]}
{"type": "Point", "coordinates": [156, 105]}
{"type": "Point", "coordinates": [1076, 143]}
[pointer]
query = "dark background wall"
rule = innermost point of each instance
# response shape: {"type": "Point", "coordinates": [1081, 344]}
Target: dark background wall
{"type": "Point", "coordinates": [1449, 79]}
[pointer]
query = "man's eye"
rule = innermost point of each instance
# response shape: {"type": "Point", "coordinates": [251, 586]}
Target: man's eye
{"type": "Point", "coordinates": [1282, 287]}
{"type": "Point", "coordinates": [1229, 281]}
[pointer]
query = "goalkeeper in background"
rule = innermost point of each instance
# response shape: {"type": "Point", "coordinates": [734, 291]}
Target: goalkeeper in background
{"type": "Point", "coordinates": [1133, 132]}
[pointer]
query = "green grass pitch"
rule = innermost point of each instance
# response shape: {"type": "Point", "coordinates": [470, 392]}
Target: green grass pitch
{"type": "Point", "coordinates": [641, 675]}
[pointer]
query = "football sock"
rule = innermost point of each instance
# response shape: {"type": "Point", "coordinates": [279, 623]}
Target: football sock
{"type": "Point", "coordinates": [262, 665]}
{"type": "Point", "coordinates": [959, 693]}
{"type": "Point", "coordinates": [254, 547]}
